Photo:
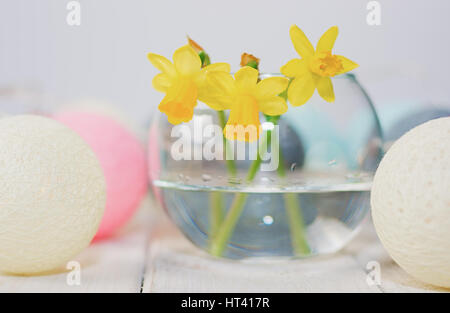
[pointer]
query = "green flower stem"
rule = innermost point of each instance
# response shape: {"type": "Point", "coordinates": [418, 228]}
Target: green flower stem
{"type": "Point", "coordinates": [231, 166]}
{"type": "Point", "coordinates": [219, 242]}
{"type": "Point", "coordinates": [295, 217]}
{"type": "Point", "coordinates": [221, 236]}
{"type": "Point", "coordinates": [217, 212]}
{"type": "Point", "coordinates": [292, 203]}
{"type": "Point", "coordinates": [296, 223]}
{"type": "Point", "coordinates": [216, 198]}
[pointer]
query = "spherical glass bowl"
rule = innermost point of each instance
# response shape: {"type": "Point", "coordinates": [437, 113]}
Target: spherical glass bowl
{"type": "Point", "coordinates": [312, 203]}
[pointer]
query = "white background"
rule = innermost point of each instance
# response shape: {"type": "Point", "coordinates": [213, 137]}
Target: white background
{"type": "Point", "coordinates": [405, 59]}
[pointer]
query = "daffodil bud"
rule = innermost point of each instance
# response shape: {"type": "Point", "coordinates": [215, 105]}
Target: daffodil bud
{"type": "Point", "coordinates": [249, 60]}
{"type": "Point", "coordinates": [204, 57]}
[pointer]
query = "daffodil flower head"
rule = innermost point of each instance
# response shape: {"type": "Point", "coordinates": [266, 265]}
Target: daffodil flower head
{"type": "Point", "coordinates": [182, 82]}
{"type": "Point", "coordinates": [245, 97]}
{"type": "Point", "coordinates": [314, 69]}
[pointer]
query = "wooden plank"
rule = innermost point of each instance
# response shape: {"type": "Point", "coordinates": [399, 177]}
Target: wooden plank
{"type": "Point", "coordinates": [113, 265]}
{"type": "Point", "coordinates": [175, 265]}
{"type": "Point", "coordinates": [152, 252]}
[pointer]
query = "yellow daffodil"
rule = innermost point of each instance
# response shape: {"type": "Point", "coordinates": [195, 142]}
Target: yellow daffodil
{"type": "Point", "coordinates": [245, 97]}
{"type": "Point", "coordinates": [182, 81]}
{"type": "Point", "coordinates": [315, 67]}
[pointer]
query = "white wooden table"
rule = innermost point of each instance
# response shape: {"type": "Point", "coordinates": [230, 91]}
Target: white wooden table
{"type": "Point", "coordinates": [150, 255]}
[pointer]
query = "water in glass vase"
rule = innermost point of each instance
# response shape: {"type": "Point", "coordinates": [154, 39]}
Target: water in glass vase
{"type": "Point", "coordinates": [325, 212]}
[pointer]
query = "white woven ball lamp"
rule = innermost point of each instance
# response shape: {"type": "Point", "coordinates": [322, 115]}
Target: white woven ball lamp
{"type": "Point", "coordinates": [52, 194]}
{"type": "Point", "coordinates": [411, 202]}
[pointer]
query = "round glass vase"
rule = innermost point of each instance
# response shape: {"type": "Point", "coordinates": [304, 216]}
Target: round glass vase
{"type": "Point", "coordinates": [309, 192]}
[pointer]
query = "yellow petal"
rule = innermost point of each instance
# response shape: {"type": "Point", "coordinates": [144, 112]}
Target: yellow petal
{"type": "Point", "coordinates": [271, 86]}
{"type": "Point", "coordinates": [347, 64]}
{"type": "Point", "coordinates": [239, 132]}
{"type": "Point", "coordinates": [325, 88]}
{"type": "Point", "coordinates": [161, 82]}
{"type": "Point", "coordinates": [186, 60]}
{"type": "Point", "coordinates": [273, 106]}
{"type": "Point", "coordinates": [243, 122]}
{"type": "Point", "coordinates": [218, 67]}
{"type": "Point", "coordinates": [220, 83]}
{"type": "Point", "coordinates": [179, 102]}
{"type": "Point", "coordinates": [294, 68]}
{"type": "Point", "coordinates": [162, 64]}
{"type": "Point", "coordinates": [301, 43]}
{"type": "Point", "coordinates": [246, 77]}
{"type": "Point", "coordinates": [301, 90]}
{"type": "Point", "coordinates": [326, 42]}
{"type": "Point", "coordinates": [216, 103]}
{"type": "Point", "coordinates": [218, 90]}
{"type": "Point", "coordinates": [175, 120]}
{"type": "Point", "coordinates": [176, 114]}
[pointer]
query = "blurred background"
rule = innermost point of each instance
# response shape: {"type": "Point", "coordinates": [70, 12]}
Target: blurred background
{"type": "Point", "coordinates": [403, 61]}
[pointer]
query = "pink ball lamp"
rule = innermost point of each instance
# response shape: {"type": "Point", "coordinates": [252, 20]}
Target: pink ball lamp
{"type": "Point", "coordinates": [122, 159]}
